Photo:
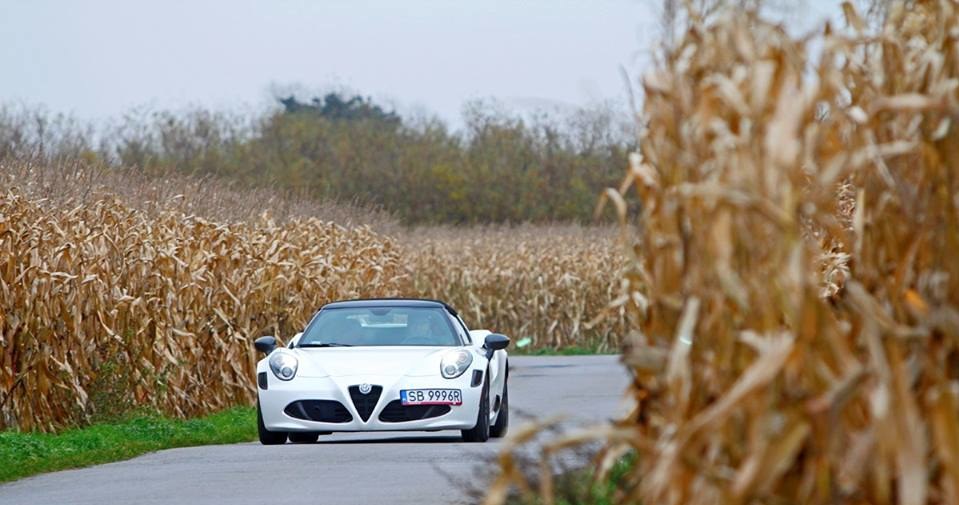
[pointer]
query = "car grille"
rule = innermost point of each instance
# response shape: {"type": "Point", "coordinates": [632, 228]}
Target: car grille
{"type": "Point", "coordinates": [396, 412]}
{"type": "Point", "coordinates": [365, 403]}
{"type": "Point", "coordinates": [324, 411]}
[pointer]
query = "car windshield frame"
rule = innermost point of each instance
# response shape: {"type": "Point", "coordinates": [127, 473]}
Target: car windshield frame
{"type": "Point", "coordinates": [312, 338]}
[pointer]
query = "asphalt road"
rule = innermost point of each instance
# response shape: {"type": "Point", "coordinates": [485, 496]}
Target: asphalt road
{"type": "Point", "coordinates": [348, 468]}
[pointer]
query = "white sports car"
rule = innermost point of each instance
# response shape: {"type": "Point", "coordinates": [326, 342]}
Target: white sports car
{"type": "Point", "coordinates": [383, 365]}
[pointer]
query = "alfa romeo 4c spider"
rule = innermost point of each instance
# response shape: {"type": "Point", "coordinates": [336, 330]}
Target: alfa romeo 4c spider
{"type": "Point", "coordinates": [383, 365]}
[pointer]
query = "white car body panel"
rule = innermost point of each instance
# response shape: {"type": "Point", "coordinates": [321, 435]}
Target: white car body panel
{"type": "Point", "coordinates": [327, 373]}
{"type": "Point", "coordinates": [497, 365]}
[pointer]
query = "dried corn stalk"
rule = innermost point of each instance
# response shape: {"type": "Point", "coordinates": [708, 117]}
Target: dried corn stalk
{"type": "Point", "coordinates": [547, 283]}
{"type": "Point", "coordinates": [795, 282]}
{"type": "Point", "coordinates": [169, 302]}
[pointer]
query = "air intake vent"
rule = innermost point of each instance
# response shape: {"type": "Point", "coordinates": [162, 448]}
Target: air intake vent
{"type": "Point", "coordinates": [365, 403]}
{"type": "Point", "coordinates": [396, 412]}
{"type": "Point", "coordinates": [324, 411]}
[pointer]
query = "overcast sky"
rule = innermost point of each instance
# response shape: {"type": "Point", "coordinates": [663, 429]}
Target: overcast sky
{"type": "Point", "coordinates": [99, 58]}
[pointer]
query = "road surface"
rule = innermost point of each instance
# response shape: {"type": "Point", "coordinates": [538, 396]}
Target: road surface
{"type": "Point", "coordinates": [348, 468]}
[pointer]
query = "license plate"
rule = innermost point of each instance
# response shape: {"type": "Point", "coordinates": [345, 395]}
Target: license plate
{"type": "Point", "coordinates": [431, 397]}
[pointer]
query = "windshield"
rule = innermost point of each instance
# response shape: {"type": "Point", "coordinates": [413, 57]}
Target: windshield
{"type": "Point", "coordinates": [379, 326]}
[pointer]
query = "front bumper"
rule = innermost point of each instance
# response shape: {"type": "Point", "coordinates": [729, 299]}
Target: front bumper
{"type": "Point", "coordinates": [280, 394]}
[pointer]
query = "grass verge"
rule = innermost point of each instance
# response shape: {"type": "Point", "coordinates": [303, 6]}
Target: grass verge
{"type": "Point", "coordinates": [579, 487]}
{"type": "Point", "coordinates": [26, 454]}
{"type": "Point", "coordinates": [570, 350]}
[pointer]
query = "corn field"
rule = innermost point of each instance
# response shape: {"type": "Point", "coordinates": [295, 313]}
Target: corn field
{"type": "Point", "coordinates": [794, 285]}
{"type": "Point", "coordinates": [71, 181]}
{"type": "Point", "coordinates": [108, 307]}
{"type": "Point", "coordinates": [105, 307]}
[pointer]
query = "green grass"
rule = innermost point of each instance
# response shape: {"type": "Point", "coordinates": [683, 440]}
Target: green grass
{"type": "Point", "coordinates": [572, 350]}
{"type": "Point", "coordinates": [25, 454]}
{"type": "Point", "coordinates": [577, 487]}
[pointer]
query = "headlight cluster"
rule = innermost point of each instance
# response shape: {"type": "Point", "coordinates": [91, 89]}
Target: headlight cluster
{"type": "Point", "coordinates": [283, 365]}
{"type": "Point", "coordinates": [455, 363]}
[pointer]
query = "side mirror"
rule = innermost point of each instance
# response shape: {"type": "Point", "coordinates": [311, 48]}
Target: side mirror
{"type": "Point", "coordinates": [495, 342]}
{"type": "Point", "coordinates": [265, 344]}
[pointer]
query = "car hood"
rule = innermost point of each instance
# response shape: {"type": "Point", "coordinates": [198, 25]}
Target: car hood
{"type": "Point", "coordinates": [382, 361]}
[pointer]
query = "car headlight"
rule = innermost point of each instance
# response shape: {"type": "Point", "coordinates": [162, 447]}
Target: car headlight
{"type": "Point", "coordinates": [283, 365]}
{"type": "Point", "coordinates": [455, 363]}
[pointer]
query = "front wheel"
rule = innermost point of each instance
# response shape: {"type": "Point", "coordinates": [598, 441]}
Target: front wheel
{"type": "Point", "coordinates": [480, 432]}
{"type": "Point", "coordinates": [268, 437]}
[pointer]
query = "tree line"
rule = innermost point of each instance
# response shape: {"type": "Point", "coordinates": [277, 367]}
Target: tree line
{"type": "Point", "coordinates": [498, 167]}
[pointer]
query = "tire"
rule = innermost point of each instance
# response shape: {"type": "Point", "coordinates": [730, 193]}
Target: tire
{"type": "Point", "coordinates": [499, 429]}
{"type": "Point", "coordinates": [304, 437]}
{"type": "Point", "coordinates": [268, 437]}
{"type": "Point", "coordinates": [480, 432]}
